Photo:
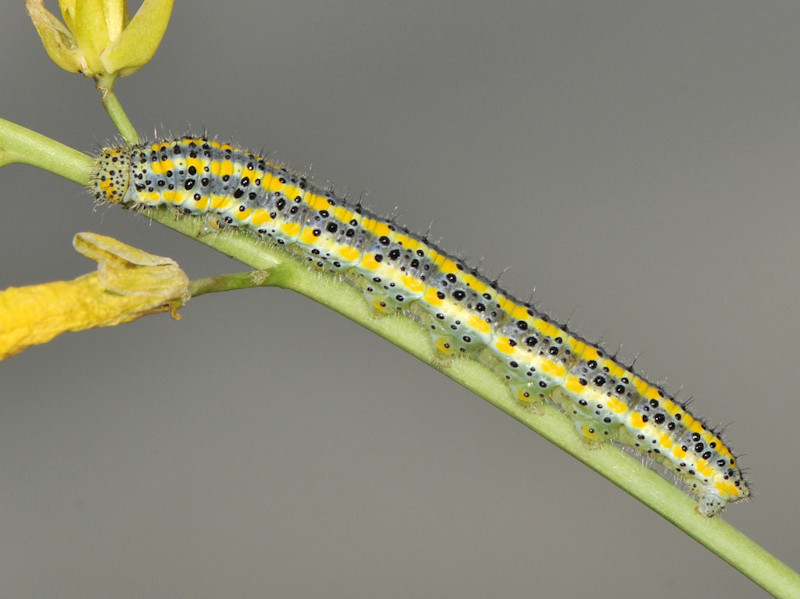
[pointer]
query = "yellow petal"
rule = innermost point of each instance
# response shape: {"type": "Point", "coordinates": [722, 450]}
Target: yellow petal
{"type": "Point", "coordinates": [90, 31]}
{"type": "Point", "coordinates": [117, 17]}
{"type": "Point", "coordinates": [67, 11]}
{"type": "Point", "coordinates": [58, 42]}
{"type": "Point", "coordinates": [140, 39]}
{"type": "Point", "coordinates": [129, 284]}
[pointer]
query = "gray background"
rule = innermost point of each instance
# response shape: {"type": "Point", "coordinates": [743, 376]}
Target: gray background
{"type": "Point", "coordinates": [636, 162]}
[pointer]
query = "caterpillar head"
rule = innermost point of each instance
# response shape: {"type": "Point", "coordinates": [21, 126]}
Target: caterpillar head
{"type": "Point", "coordinates": [111, 175]}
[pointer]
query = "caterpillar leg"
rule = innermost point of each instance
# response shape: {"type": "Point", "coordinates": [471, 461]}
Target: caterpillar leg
{"type": "Point", "coordinates": [592, 433]}
{"type": "Point", "coordinates": [710, 504]}
{"type": "Point", "coordinates": [213, 223]}
{"type": "Point", "coordinates": [528, 394]}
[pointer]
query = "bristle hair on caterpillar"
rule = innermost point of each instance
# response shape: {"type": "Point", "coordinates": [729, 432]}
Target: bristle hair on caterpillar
{"type": "Point", "coordinates": [465, 313]}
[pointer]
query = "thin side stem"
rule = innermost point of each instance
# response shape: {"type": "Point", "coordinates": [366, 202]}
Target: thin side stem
{"type": "Point", "coordinates": [116, 112]}
{"type": "Point", "coordinates": [241, 280]}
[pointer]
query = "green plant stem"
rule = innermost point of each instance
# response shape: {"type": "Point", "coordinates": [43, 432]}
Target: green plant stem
{"type": "Point", "coordinates": [18, 144]}
{"type": "Point", "coordinates": [114, 109]}
{"type": "Point", "coordinates": [622, 469]}
{"type": "Point", "coordinates": [240, 280]}
{"type": "Point", "coordinates": [611, 462]}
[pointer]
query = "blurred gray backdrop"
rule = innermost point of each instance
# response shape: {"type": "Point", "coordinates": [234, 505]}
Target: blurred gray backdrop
{"type": "Point", "coordinates": [636, 163]}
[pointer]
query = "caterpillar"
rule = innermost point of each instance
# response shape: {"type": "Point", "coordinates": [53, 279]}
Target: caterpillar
{"type": "Point", "coordinates": [465, 313]}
